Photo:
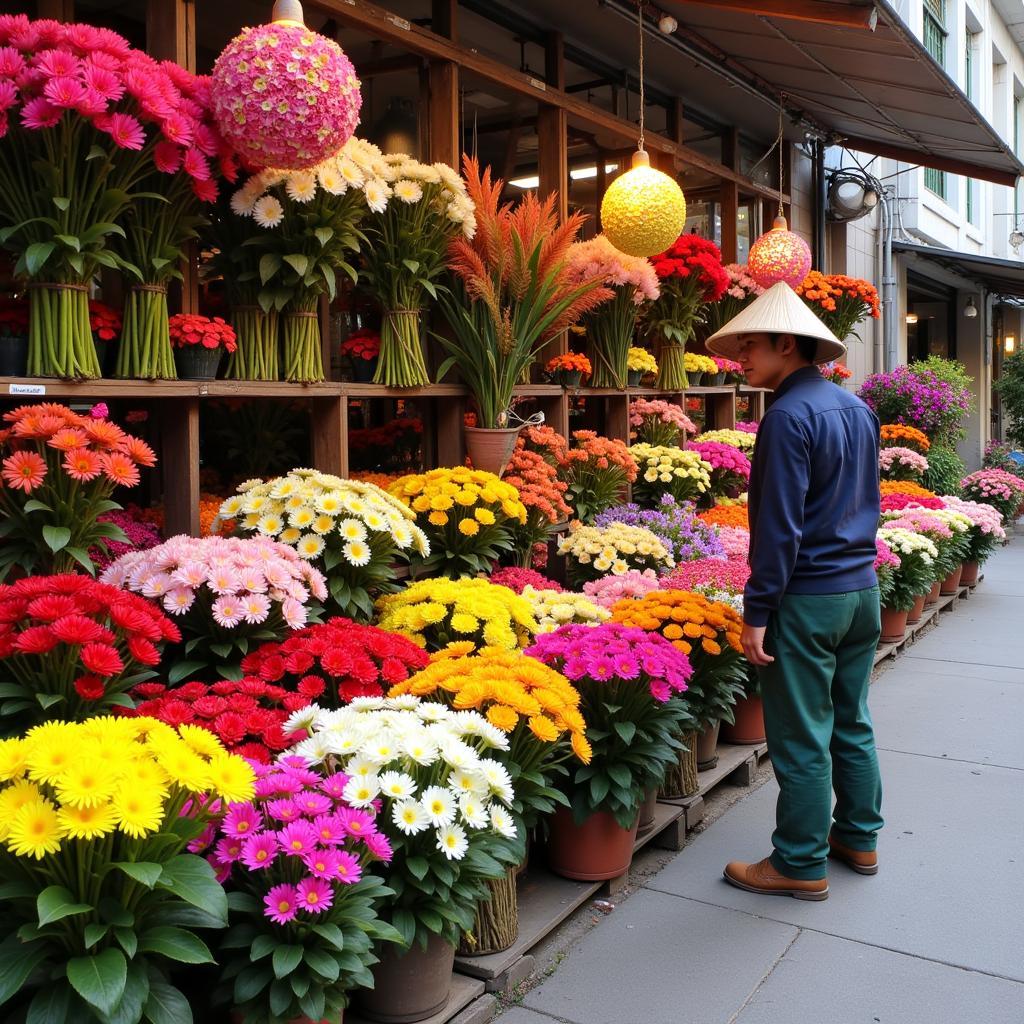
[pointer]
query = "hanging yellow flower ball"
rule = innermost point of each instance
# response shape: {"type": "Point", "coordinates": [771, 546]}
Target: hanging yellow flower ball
{"type": "Point", "coordinates": [643, 211]}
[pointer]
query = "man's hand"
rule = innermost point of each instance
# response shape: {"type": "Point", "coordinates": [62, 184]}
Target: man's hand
{"type": "Point", "coordinates": [752, 640]}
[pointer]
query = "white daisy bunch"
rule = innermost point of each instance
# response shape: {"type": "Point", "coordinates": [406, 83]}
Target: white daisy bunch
{"type": "Point", "coordinates": [428, 763]}
{"type": "Point", "coordinates": [595, 551]}
{"type": "Point", "coordinates": [554, 608]}
{"type": "Point", "coordinates": [354, 532]}
{"type": "Point", "coordinates": [906, 542]}
{"type": "Point", "coordinates": [409, 180]}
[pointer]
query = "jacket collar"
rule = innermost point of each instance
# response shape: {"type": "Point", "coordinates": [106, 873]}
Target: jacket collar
{"type": "Point", "coordinates": [805, 373]}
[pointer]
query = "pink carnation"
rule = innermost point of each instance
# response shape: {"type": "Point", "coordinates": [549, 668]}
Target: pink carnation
{"type": "Point", "coordinates": [609, 589]}
{"type": "Point", "coordinates": [715, 573]}
{"type": "Point", "coordinates": [597, 257]}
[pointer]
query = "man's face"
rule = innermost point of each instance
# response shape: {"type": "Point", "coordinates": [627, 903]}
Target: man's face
{"type": "Point", "coordinates": [764, 364]}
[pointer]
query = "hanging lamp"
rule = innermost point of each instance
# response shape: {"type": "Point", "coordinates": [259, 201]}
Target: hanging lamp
{"type": "Point", "coordinates": [643, 211]}
{"type": "Point", "coordinates": [779, 254]}
{"type": "Point", "coordinates": [290, 115]}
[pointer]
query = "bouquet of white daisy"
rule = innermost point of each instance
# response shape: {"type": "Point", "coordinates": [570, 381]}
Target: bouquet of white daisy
{"type": "Point", "coordinates": [405, 256]}
{"type": "Point", "coordinates": [353, 532]}
{"type": "Point", "coordinates": [308, 224]}
{"type": "Point", "coordinates": [445, 802]}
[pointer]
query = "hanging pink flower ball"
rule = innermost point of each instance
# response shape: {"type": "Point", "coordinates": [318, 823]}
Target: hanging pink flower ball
{"type": "Point", "coordinates": [285, 96]}
{"type": "Point", "coordinates": [779, 255]}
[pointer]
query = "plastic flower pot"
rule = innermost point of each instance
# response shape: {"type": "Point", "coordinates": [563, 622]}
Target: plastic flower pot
{"type": "Point", "coordinates": [647, 809]}
{"type": "Point", "coordinates": [598, 849]}
{"type": "Point", "coordinates": [915, 613]}
{"type": "Point", "coordinates": [13, 356]}
{"type": "Point", "coordinates": [363, 370]}
{"type": "Point", "coordinates": [197, 362]}
{"type": "Point", "coordinates": [933, 595]}
{"type": "Point", "coordinates": [969, 576]}
{"type": "Point", "coordinates": [707, 747]}
{"type": "Point", "coordinates": [696, 378]}
{"type": "Point", "coordinates": [490, 449]}
{"type": "Point", "coordinates": [748, 726]}
{"type": "Point", "coordinates": [894, 626]}
{"type": "Point", "coordinates": [409, 985]}
{"type": "Point", "coordinates": [633, 378]}
{"type": "Point", "coordinates": [951, 584]}
{"type": "Point", "coordinates": [718, 380]}
{"type": "Point", "coordinates": [570, 378]}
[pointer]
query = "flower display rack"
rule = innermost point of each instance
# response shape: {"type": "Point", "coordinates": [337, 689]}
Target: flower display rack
{"type": "Point", "coordinates": [931, 615]}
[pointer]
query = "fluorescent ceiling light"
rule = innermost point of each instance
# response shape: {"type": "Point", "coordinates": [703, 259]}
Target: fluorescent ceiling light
{"type": "Point", "coordinates": [576, 174]}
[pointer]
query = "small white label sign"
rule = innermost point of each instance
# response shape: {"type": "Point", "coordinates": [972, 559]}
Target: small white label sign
{"type": "Point", "coordinates": [26, 389]}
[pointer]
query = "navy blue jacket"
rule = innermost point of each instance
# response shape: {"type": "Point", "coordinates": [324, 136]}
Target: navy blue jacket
{"type": "Point", "coordinates": [814, 495]}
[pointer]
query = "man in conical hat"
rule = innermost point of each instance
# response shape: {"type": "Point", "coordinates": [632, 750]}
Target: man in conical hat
{"type": "Point", "coordinates": [811, 606]}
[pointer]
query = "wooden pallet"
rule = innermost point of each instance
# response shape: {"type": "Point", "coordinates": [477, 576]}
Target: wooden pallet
{"type": "Point", "coordinates": [945, 604]}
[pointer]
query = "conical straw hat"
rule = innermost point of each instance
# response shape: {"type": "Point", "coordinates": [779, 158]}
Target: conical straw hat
{"type": "Point", "coordinates": [778, 311]}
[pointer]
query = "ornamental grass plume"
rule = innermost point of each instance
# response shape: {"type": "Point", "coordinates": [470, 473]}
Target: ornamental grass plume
{"type": "Point", "coordinates": [900, 435]}
{"type": "Point", "coordinates": [674, 523]}
{"type": "Point", "coordinates": [469, 613]}
{"type": "Point", "coordinates": [666, 470]}
{"type": "Point", "coordinates": [517, 579]}
{"type": "Point", "coordinates": [60, 470]}
{"type": "Point", "coordinates": [607, 590]}
{"type": "Point", "coordinates": [593, 551]}
{"type": "Point", "coordinates": [72, 647]}
{"type": "Point", "coordinates": [597, 470]}
{"type": "Point", "coordinates": [630, 683]}
{"type": "Point", "coordinates": [659, 422]}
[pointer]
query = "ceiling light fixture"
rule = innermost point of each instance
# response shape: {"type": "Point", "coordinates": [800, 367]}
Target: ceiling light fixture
{"type": "Point", "coordinates": [1010, 344]}
{"type": "Point", "coordinates": [911, 318]}
{"type": "Point", "coordinates": [667, 24]}
{"type": "Point", "coordinates": [970, 310]}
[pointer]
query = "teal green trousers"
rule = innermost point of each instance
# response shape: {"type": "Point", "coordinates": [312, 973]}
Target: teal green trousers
{"type": "Point", "coordinates": [818, 727]}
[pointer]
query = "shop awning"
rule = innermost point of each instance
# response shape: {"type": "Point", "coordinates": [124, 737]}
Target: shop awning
{"type": "Point", "coordinates": [1002, 277]}
{"type": "Point", "coordinates": [875, 90]}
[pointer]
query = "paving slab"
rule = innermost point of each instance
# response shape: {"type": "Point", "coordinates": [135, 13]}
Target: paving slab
{"type": "Point", "coordinates": [520, 1015]}
{"type": "Point", "coordinates": [663, 960]}
{"type": "Point", "coordinates": [950, 716]}
{"type": "Point", "coordinates": [867, 985]}
{"type": "Point", "coordinates": [912, 662]}
{"type": "Point", "coordinates": [950, 883]}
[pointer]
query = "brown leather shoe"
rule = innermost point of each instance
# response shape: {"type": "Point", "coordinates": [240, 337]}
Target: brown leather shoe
{"type": "Point", "coordinates": [764, 879]}
{"type": "Point", "coordinates": [864, 862]}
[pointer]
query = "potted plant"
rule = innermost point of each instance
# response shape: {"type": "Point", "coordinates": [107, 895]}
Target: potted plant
{"type": "Point", "coordinates": [995, 487]}
{"type": "Point", "coordinates": [836, 372]}
{"type": "Point", "coordinates": [899, 435]}
{"type": "Point", "coordinates": [199, 343]}
{"type": "Point", "coordinates": [451, 830]}
{"type": "Point", "coordinates": [598, 471]}
{"type": "Point", "coordinates": [568, 369]}
{"type": "Point", "coordinates": [700, 369]}
{"type": "Point", "coordinates": [543, 496]}
{"type": "Point", "coordinates": [986, 534]}
{"type": "Point", "coordinates": [103, 900]}
{"type": "Point", "coordinates": [658, 422]}
{"type": "Point", "coordinates": [593, 551]}
{"type": "Point", "coordinates": [690, 276]}
{"type": "Point", "coordinates": [468, 613]}
{"type": "Point", "coordinates": [708, 632]}
{"type": "Point", "coordinates": [897, 463]}
{"type": "Point", "coordinates": [675, 524]}
{"type": "Point", "coordinates": [467, 535]}
{"type": "Point", "coordinates": [841, 302]}
{"type": "Point", "coordinates": [299, 861]}
{"type": "Point", "coordinates": [948, 531]}
{"type": "Point", "coordinates": [666, 469]}
{"type": "Point", "coordinates": [59, 471]}
{"type": "Point", "coordinates": [512, 293]}
{"type": "Point", "coordinates": [629, 683]}
{"type": "Point", "coordinates": [610, 327]}
{"type": "Point", "coordinates": [538, 709]}
{"type": "Point", "coordinates": [13, 337]}
{"type": "Point", "coordinates": [225, 593]}
{"type": "Point", "coordinates": [639, 363]}
{"type": "Point", "coordinates": [363, 350]}
{"type": "Point", "coordinates": [730, 469]}
{"type": "Point", "coordinates": [914, 577]}
{"type": "Point", "coordinates": [729, 371]}
{"type": "Point", "coordinates": [917, 399]}
{"type": "Point", "coordinates": [555, 608]}
{"type": "Point", "coordinates": [747, 725]}
{"type": "Point", "coordinates": [354, 533]}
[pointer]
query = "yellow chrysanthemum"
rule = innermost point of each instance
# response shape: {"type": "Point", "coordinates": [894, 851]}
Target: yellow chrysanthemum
{"type": "Point", "coordinates": [183, 766]}
{"type": "Point", "coordinates": [469, 527]}
{"type": "Point", "coordinates": [88, 782]}
{"type": "Point", "coordinates": [543, 728]}
{"type": "Point", "coordinates": [139, 812]}
{"type": "Point", "coordinates": [12, 759]}
{"type": "Point", "coordinates": [12, 799]}
{"type": "Point", "coordinates": [503, 717]}
{"type": "Point", "coordinates": [201, 740]}
{"type": "Point", "coordinates": [35, 830]}
{"type": "Point", "coordinates": [88, 822]}
{"type": "Point", "coordinates": [437, 519]}
{"type": "Point", "coordinates": [463, 623]}
{"type": "Point", "coordinates": [232, 777]}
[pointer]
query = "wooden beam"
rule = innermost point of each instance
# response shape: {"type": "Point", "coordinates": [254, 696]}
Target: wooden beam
{"type": "Point", "coordinates": [390, 66]}
{"type": "Point", "coordinates": [731, 148]}
{"type": "Point", "coordinates": [386, 26]}
{"type": "Point", "coordinates": [847, 15]}
{"type": "Point", "coordinates": [730, 200]}
{"type": "Point", "coordinates": [939, 163]}
{"type": "Point", "coordinates": [179, 425]}
{"type": "Point", "coordinates": [443, 77]}
{"type": "Point", "coordinates": [171, 31]}
{"type": "Point", "coordinates": [554, 60]}
{"type": "Point", "coordinates": [675, 120]}
{"type": "Point", "coordinates": [58, 10]}
{"type": "Point", "coordinates": [444, 17]}
{"type": "Point", "coordinates": [330, 435]}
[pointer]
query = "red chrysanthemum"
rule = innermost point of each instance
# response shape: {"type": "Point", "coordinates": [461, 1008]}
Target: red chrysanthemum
{"type": "Point", "coordinates": [89, 687]}
{"type": "Point", "coordinates": [102, 659]}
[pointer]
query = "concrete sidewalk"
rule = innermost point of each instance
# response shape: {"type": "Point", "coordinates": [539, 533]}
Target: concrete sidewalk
{"type": "Point", "coordinates": [937, 937]}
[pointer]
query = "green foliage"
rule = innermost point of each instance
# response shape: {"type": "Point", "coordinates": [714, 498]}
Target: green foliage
{"type": "Point", "coordinates": [1010, 387]}
{"type": "Point", "coordinates": [945, 470]}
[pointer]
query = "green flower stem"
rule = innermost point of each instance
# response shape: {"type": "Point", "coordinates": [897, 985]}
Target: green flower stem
{"type": "Point", "coordinates": [672, 374]}
{"type": "Point", "coordinates": [610, 332]}
{"type": "Point", "coordinates": [256, 357]}
{"type": "Point", "coordinates": [303, 359]}
{"type": "Point", "coordinates": [401, 363]}
{"type": "Point", "coordinates": [60, 342]}
{"type": "Point", "coordinates": [145, 350]}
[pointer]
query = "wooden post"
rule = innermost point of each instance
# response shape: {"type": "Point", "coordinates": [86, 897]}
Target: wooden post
{"type": "Point", "coordinates": [674, 129]}
{"type": "Point", "coordinates": [443, 112]}
{"type": "Point", "coordinates": [444, 18]}
{"type": "Point", "coordinates": [171, 31]}
{"type": "Point", "coordinates": [451, 443]}
{"type": "Point", "coordinates": [729, 197]}
{"type": "Point", "coordinates": [329, 423]}
{"type": "Point", "coordinates": [179, 425]}
{"type": "Point", "coordinates": [554, 60]}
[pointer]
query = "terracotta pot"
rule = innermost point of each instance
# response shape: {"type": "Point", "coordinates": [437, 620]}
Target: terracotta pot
{"type": "Point", "coordinates": [490, 450]}
{"type": "Point", "coordinates": [749, 724]}
{"type": "Point", "coordinates": [894, 626]}
{"type": "Point", "coordinates": [598, 849]}
{"type": "Point", "coordinates": [410, 985]}
{"type": "Point", "coordinates": [915, 613]}
{"type": "Point", "coordinates": [707, 745]}
{"type": "Point", "coordinates": [933, 595]}
{"type": "Point", "coordinates": [951, 584]}
{"type": "Point", "coordinates": [969, 577]}
{"type": "Point", "coordinates": [647, 812]}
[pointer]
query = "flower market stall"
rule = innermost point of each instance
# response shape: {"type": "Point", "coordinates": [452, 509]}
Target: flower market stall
{"type": "Point", "coordinates": [335, 672]}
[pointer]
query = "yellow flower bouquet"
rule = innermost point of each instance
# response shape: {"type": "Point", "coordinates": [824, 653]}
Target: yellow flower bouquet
{"type": "Point", "coordinates": [594, 551]}
{"type": "Point", "coordinates": [668, 470]}
{"type": "Point", "coordinates": [466, 514]}
{"type": "Point", "coordinates": [554, 608]}
{"type": "Point", "coordinates": [352, 531]}
{"type": "Point", "coordinates": [741, 439]}
{"type": "Point", "coordinates": [96, 819]}
{"type": "Point", "coordinates": [469, 613]}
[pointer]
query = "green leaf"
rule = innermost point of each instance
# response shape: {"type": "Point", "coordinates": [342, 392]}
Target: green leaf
{"type": "Point", "coordinates": [93, 933]}
{"type": "Point", "coordinates": [626, 730]}
{"type": "Point", "coordinates": [175, 944]}
{"type": "Point", "coordinates": [141, 871]}
{"type": "Point", "coordinates": [270, 264]}
{"type": "Point", "coordinates": [166, 1005]}
{"type": "Point", "coordinates": [127, 940]}
{"type": "Point", "coordinates": [262, 945]}
{"type": "Point", "coordinates": [61, 202]}
{"type": "Point", "coordinates": [324, 235]}
{"type": "Point", "coordinates": [192, 879]}
{"type": "Point", "coordinates": [51, 1003]}
{"type": "Point", "coordinates": [323, 963]}
{"type": "Point", "coordinates": [298, 263]}
{"type": "Point", "coordinates": [71, 241]}
{"type": "Point", "coordinates": [34, 505]}
{"type": "Point", "coordinates": [251, 982]}
{"type": "Point", "coordinates": [136, 992]}
{"type": "Point", "coordinates": [81, 556]}
{"type": "Point", "coordinates": [17, 962]}
{"type": "Point", "coordinates": [286, 959]}
{"type": "Point", "coordinates": [333, 934]}
{"type": "Point", "coordinates": [621, 775]}
{"type": "Point", "coordinates": [36, 255]}
{"type": "Point", "coordinates": [183, 669]}
{"type": "Point", "coordinates": [412, 265]}
{"type": "Point", "coordinates": [56, 537]}
{"type": "Point", "coordinates": [47, 700]}
{"type": "Point", "coordinates": [418, 866]}
{"type": "Point", "coordinates": [55, 903]}
{"type": "Point", "coordinates": [99, 979]}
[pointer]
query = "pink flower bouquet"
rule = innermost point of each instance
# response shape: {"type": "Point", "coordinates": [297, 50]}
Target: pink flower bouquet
{"type": "Point", "coordinates": [659, 422]}
{"type": "Point", "coordinates": [986, 532]}
{"type": "Point", "coordinates": [735, 540]}
{"type": "Point", "coordinates": [609, 589]}
{"type": "Point", "coordinates": [995, 487]}
{"type": "Point", "coordinates": [226, 593]}
{"type": "Point", "coordinates": [518, 579]}
{"type": "Point", "coordinates": [730, 468]}
{"type": "Point", "coordinates": [708, 574]}
{"type": "Point", "coordinates": [902, 464]}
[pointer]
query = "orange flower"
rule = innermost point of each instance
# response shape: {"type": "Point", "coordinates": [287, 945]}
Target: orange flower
{"type": "Point", "coordinates": [82, 465]}
{"type": "Point", "coordinates": [119, 469]}
{"type": "Point", "coordinates": [570, 362]}
{"type": "Point", "coordinates": [24, 471]}
{"type": "Point", "coordinates": [138, 451]}
{"type": "Point", "coordinates": [898, 434]}
{"type": "Point", "coordinates": [905, 487]}
{"type": "Point", "coordinates": [726, 515]}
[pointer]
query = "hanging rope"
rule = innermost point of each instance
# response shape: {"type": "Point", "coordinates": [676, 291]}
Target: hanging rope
{"type": "Point", "coordinates": [776, 145]}
{"type": "Point", "coordinates": [640, 25]}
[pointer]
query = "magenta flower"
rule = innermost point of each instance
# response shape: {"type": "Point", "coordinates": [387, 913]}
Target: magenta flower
{"type": "Point", "coordinates": [334, 785]}
{"type": "Point", "coordinates": [323, 863]}
{"type": "Point", "coordinates": [313, 803]}
{"type": "Point", "coordinates": [282, 903]}
{"type": "Point", "coordinates": [283, 810]}
{"type": "Point", "coordinates": [379, 846]}
{"type": "Point", "coordinates": [314, 895]}
{"type": "Point", "coordinates": [297, 838]}
{"type": "Point", "coordinates": [356, 822]}
{"type": "Point", "coordinates": [347, 868]}
{"type": "Point", "coordinates": [329, 829]}
{"type": "Point", "coordinates": [242, 820]}
{"type": "Point", "coordinates": [228, 850]}
{"type": "Point", "coordinates": [260, 850]}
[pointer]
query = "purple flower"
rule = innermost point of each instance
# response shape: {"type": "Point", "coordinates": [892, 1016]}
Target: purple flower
{"type": "Point", "coordinates": [314, 895]}
{"type": "Point", "coordinates": [675, 524]}
{"type": "Point", "coordinates": [282, 903]}
{"type": "Point", "coordinates": [260, 850]}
